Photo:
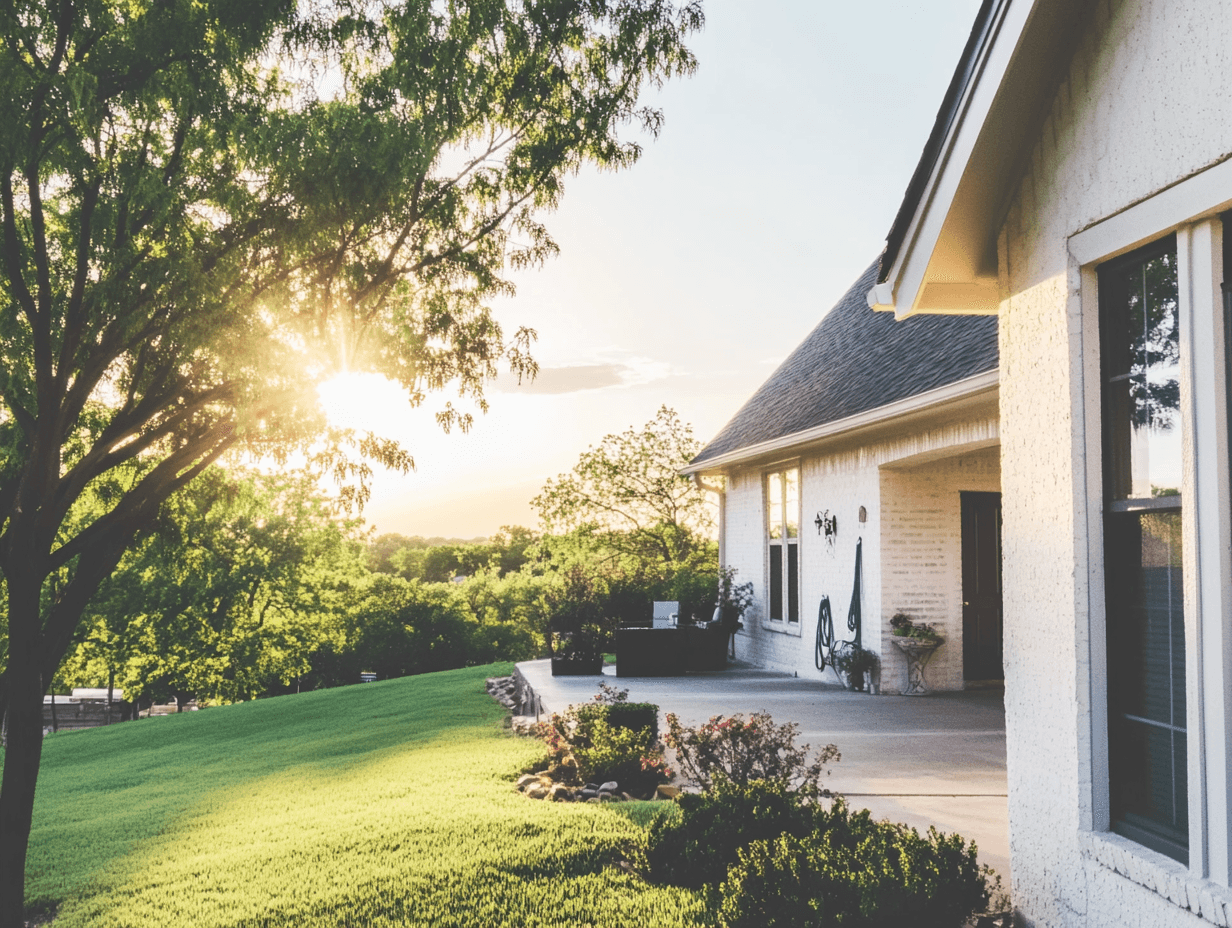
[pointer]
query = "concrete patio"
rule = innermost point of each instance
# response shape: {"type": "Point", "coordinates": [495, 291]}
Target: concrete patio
{"type": "Point", "coordinates": [936, 760]}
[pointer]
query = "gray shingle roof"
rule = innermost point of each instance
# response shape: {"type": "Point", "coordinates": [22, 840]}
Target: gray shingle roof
{"type": "Point", "coordinates": [857, 360]}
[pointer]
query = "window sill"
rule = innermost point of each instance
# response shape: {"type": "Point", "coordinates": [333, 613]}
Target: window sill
{"type": "Point", "coordinates": [791, 629]}
{"type": "Point", "coordinates": [1161, 875]}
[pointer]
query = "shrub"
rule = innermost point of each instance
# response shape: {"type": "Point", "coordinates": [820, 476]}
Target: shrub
{"type": "Point", "coordinates": [695, 848]}
{"type": "Point", "coordinates": [638, 716]}
{"type": "Point", "coordinates": [608, 739]}
{"type": "Point", "coordinates": [857, 873]}
{"type": "Point", "coordinates": [625, 755]}
{"type": "Point", "coordinates": [743, 751]}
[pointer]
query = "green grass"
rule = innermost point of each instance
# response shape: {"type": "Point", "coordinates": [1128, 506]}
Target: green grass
{"type": "Point", "coordinates": [374, 805]}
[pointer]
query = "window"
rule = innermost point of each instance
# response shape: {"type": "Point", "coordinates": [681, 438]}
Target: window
{"type": "Point", "coordinates": [783, 544]}
{"type": "Point", "coordinates": [1140, 374]}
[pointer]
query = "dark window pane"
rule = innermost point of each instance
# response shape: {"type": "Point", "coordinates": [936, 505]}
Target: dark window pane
{"type": "Point", "coordinates": [1146, 678]}
{"type": "Point", "coordinates": [793, 584]}
{"type": "Point", "coordinates": [1140, 359]}
{"type": "Point", "coordinates": [776, 581]}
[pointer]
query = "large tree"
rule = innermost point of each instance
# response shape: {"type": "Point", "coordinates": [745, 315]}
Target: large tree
{"type": "Point", "coordinates": [207, 206]}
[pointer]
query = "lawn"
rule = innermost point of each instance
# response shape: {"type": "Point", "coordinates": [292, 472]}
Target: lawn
{"type": "Point", "coordinates": [382, 804]}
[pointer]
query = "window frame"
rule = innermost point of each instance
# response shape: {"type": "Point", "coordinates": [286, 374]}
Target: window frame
{"type": "Point", "coordinates": [782, 623]}
{"type": "Point", "coordinates": [1192, 211]}
{"type": "Point", "coordinates": [1124, 513]}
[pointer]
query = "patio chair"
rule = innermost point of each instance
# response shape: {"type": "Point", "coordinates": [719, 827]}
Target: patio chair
{"type": "Point", "coordinates": [666, 614]}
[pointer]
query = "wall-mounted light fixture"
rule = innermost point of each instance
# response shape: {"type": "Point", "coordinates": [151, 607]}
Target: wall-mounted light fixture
{"type": "Point", "coordinates": [827, 524]}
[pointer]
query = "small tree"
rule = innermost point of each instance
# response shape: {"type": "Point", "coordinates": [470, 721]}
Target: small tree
{"type": "Point", "coordinates": [629, 491]}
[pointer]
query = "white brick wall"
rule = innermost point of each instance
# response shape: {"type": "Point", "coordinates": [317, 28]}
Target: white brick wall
{"type": "Point", "coordinates": [842, 481]}
{"type": "Point", "coordinates": [922, 557]}
{"type": "Point", "coordinates": [1143, 105]}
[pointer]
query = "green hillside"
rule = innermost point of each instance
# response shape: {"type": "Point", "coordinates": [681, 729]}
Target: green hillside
{"type": "Point", "coordinates": [382, 804]}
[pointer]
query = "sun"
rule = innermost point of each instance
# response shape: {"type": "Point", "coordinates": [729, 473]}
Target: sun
{"type": "Point", "coordinates": [365, 402]}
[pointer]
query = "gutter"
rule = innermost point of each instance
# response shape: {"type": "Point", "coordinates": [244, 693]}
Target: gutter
{"type": "Point", "coordinates": [969, 388]}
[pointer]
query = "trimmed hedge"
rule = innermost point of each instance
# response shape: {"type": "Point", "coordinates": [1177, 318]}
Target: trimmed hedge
{"type": "Point", "coordinates": [635, 716]}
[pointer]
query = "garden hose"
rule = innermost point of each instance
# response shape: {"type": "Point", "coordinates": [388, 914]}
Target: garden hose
{"type": "Point", "coordinates": [853, 611]}
{"type": "Point", "coordinates": [825, 634]}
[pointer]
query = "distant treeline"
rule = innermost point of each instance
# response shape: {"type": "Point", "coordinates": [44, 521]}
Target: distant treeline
{"type": "Point", "coordinates": [253, 584]}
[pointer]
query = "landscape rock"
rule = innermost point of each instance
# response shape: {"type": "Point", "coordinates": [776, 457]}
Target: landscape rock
{"type": "Point", "coordinates": [666, 791]}
{"type": "Point", "coordinates": [628, 798]}
{"type": "Point", "coordinates": [609, 787]}
{"type": "Point", "coordinates": [505, 691]}
{"type": "Point", "coordinates": [586, 793]}
{"type": "Point", "coordinates": [523, 724]}
{"type": "Point", "coordinates": [558, 792]}
{"type": "Point", "coordinates": [537, 792]}
{"type": "Point", "coordinates": [526, 780]}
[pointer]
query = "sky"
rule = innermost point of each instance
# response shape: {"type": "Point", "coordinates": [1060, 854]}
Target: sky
{"type": "Point", "coordinates": [687, 279]}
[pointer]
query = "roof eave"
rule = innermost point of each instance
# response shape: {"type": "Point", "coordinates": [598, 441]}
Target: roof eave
{"type": "Point", "coordinates": [941, 253]}
{"type": "Point", "coordinates": [940, 401]}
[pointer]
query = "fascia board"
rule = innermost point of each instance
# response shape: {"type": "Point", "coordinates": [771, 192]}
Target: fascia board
{"type": "Point", "coordinates": [904, 285]}
{"type": "Point", "coordinates": [930, 401]}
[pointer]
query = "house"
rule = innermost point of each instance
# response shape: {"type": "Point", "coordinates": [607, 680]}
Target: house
{"type": "Point", "coordinates": [1075, 186]}
{"type": "Point", "coordinates": [875, 437]}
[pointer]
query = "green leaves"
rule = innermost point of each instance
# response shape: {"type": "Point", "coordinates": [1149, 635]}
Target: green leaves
{"type": "Point", "coordinates": [207, 207]}
{"type": "Point", "coordinates": [629, 491]}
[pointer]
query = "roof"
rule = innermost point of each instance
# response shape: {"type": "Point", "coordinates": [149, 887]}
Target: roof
{"type": "Point", "coordinates": [854, 361]}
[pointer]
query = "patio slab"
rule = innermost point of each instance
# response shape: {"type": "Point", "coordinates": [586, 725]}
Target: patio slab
{"type": "Point", "coordinates": [935, 760]}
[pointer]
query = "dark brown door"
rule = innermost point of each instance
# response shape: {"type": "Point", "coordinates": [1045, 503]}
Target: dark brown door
{"type": "Point", "coordinates": [981, 586]}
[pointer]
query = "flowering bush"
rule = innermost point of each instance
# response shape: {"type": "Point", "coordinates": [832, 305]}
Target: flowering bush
{"type": "Point", "coordinates": [742, 751]}
{"type": "Point", "coordinates": [607, 739]}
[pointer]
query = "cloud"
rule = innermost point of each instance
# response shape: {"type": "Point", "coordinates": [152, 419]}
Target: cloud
{"type": "Point", "coordinates": [575, 378]}
{"type": "Point", "coordinates": [570, 379]}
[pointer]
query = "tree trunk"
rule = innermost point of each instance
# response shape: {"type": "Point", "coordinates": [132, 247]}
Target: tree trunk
{"type": "Point", "coordinates": [21, 766]}
{"type": "Point", "coordinates": [55, 723]}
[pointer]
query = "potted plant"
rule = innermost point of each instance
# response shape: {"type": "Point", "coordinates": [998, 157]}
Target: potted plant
{"type": "Point", "coordinates": [904, 626]}
{"type": "Point", "coordinates": [581, 628]}
{"type": "Point", "coordinates": [734, 600]}
{"type": "Point", "coordinates": [577, 648]}
{"type": "Point", "coordinates": [917, 641]}
{"type": "Point", "coordinates": [856, 662]}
